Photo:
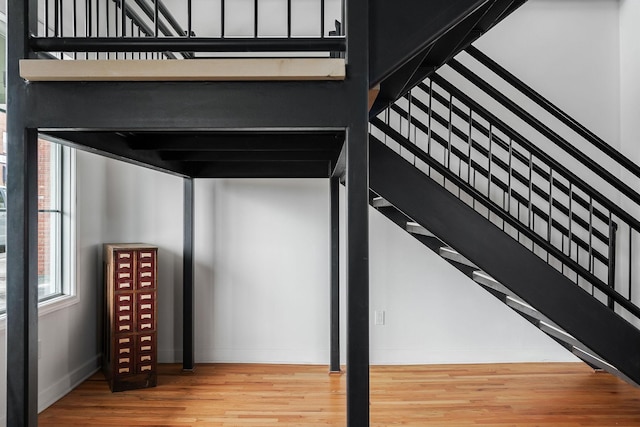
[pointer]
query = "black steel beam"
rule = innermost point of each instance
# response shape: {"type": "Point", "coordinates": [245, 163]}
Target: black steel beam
{"type": "Point", "coordinates": [180, 44]}
{"type": "Point", "coordinates": [189, 106]}
{"type": "Point", "coordinates": [115, 146]}
{"type": "Point", "coordinates": [286, 169]}
{"type": "Point", "coordinates": [22, 228]}
{"type": "Point", "coordinates": [188, 294]}
{"type": "Point", "coordinates": [400, 33]}
{"type": "Point", "coordinates": [504, 258]}
{"type": "Point", "coordinates": [334, 223]}
{"type": "Point", "coordinates": [233, 141]}
{"type": "Point", "coordinates": [247, 156]}
{"type": "Point", "coordinates": [357, 212]}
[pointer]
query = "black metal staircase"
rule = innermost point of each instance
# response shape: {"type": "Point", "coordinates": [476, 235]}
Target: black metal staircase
{"type": "Point", "coordinates": [548, 241]}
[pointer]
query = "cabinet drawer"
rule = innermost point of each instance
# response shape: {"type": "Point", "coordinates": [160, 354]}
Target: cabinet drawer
{"type": "Point", "coordinates": [146, 343]}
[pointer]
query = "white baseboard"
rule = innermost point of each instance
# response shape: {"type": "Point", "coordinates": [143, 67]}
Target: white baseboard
{"type": "Point", "coordinates": [67, 383]}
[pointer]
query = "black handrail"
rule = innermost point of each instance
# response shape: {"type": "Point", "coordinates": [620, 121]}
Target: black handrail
{"type": "Point", "coordinates": [178, 44]}
{"type": "Point", "coordinates": [546, 131]}
{"type": "Point", "coordinates": [554, 110]}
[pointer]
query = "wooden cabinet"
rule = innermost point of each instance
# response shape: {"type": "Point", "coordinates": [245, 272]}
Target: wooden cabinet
{"type": "Point", "coordinates": [129, 358]}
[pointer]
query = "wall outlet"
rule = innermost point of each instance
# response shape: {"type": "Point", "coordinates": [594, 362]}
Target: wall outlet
{"type": "Point", "coordinates": [379, 317]}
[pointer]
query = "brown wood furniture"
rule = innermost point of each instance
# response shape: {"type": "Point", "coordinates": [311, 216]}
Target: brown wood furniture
{"type": "Point", "coordinates": [129, 357]}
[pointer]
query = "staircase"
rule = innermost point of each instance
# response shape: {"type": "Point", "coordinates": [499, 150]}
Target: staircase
{"type": "Point", "coordinates": [547, 241]}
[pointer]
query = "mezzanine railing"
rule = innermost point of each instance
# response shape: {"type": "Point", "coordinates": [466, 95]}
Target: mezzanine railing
{"type": "Point", "coordinates": [185, 29]}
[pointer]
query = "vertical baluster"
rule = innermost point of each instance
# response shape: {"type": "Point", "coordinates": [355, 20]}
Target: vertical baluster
{"type": "Point", "coordinates": [46, 18]}
{"type": "Point", "coordinates": [115, 21]}
{"type": "Point", "coordinates": [570, 218]}
{"type": "Point", "coordinates": [529, 223]}
{"type": "Point", "coordinates": [509, 178]}
{"type": "Point", "coordinates": [322, 12]}
{"type": "Point", "coordinates": [429, 118]}
{"type": "Point", "coordinates": [470, 144]}
{"type": "Point", "coordinates": [189, 19]}
{"type": "Point", "coordinates": [98, 19]}
{"type": "Point", "coordinates": [550, 221]}
{"type": "Point", "coordinates": [450, 129]}
{"type": "Point", "coordinates": [630, 261]}
{"type": "Point", "coordinates": [222, 18]}
{"type": "Point", "coordinates": [289, 18]}
{"type": "Point", "coordinates": [590, 234]}
{"type": "Point", "coordinates": [490, 159]}
{"type": "Point", "coordinates": [611, 279]}
{"type": "Point", "coordinates": [255, 18]}
{"type": "Point", "coordinates": [56, 17]}
{"type": "Point", "coordinates": [410, 101]}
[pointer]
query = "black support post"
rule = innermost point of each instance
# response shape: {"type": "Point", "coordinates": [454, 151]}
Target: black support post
{"type": "Point", "coordinates": [188, 297]}
{"type": "Point", "coordinates": [357, 205]}
{"type": "Point", "coordinates": [22, 228]}
{"type": "Point", "coordinates": [334, 214]}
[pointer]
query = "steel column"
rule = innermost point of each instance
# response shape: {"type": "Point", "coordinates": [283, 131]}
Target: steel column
{"type": "Point", "coordinates": [188, 296]}
{"type": "Point", "coordinates": [22, 228]}
{"type": "Point", "coordinates": [357, 206]}
{"type": "Point", "coordinates": [334, 214]}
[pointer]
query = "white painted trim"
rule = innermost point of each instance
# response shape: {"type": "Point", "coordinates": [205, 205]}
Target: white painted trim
{"type": "Point", "coordinates": [227, 69]}
{"type": "Point", "coordinates": [67, 383]}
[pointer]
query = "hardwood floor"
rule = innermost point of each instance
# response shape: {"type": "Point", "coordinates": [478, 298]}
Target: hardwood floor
{"type": "Point", "coordinates": [559, 395]}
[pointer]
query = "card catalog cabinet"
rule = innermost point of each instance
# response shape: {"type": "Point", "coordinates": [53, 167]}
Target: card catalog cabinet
{"type": "Point", "coordinates": [130, 351]}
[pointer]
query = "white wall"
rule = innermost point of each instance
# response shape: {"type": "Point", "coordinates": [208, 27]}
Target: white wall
{"type": "Point", "coordinates": [629, 82]}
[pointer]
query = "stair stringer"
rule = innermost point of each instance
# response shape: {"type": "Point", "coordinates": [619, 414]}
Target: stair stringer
{"type": "Point", "coordinates": [402, 31]}
{"type": "Point", "coordinates": [513, 265]}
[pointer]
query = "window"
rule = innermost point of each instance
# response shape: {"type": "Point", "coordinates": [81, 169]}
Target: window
{"type": "Point", "coordinates": [53, 219]}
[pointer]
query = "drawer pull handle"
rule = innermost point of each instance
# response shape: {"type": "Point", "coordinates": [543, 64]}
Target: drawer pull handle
{"type": "Point", "coordinates": [124, 328]}
{"type": "Point", "coordinates": [124, 255]}
{"type": "Point", "coordinates": [124, 340]}
{"type": "Point", "coordinates": [125, 317]}
{"type": "Point", "coordinates": [124, 276]}
{"type": "Point", "coordinates": [145, 368]}
{"type": "Point", "coordinates": [145, 284]}
{"type": "Point", "coordinates": [145, 254]}
{"type": "Point", "coordinates": [125, 308]}
{"type": "Point", "coordinates": [145, 265]}
{"type": "Point", "coordinates": [145, 348]}
{"type": "Point", "coordinates": [124, 265]}
{"type": "Point", "coordinates": [125, 350]}
{"type": "Point", "coordinates": [146, 326]}
{"type": "Point", "coordinates": [145, 316]}
{"type": "Point", "coordinates": [123, 370]}
{"type": "Point", "coordinates": [124, 298]}
{"type": "Point", "coordinates": [145, 274]}
{"type": "Point", "coordinates": [145, 359]}
{"type": "Point", "coordinates": [146, 296]}
{"type": "Point", "coordinates": [144, 339]}
{"type": "Point", "coordinates": [124, 285]}
{"type": "Point", "coordinates": [124, 360]}
{"type": "Point", "coordinates": [145, 306]}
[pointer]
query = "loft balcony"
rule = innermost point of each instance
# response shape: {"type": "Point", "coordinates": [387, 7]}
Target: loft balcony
{"type": "Point", "coordinates": [284, 40]}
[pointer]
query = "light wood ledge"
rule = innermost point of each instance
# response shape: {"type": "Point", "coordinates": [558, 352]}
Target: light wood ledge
{"type": "Point", "coordinates": [228, 69]}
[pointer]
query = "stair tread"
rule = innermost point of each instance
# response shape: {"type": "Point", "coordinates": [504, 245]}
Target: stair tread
{"type": "Point", "coordinates": [453, 255]}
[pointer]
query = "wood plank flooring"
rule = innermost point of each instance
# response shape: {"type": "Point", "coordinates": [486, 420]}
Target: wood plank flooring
{"type": "Point", "coordinates": [550, 394]}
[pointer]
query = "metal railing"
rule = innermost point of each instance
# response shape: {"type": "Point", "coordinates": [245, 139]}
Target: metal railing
{"type": "Point", "coordinates": [152, 29]}
{"type": "Point", "coordinates": [534, 196]}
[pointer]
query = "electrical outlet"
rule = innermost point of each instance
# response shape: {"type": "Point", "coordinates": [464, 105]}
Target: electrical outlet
{"type": "Point", "coordinates": [379, 317]}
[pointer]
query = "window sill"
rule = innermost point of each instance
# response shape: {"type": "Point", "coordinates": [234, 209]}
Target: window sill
{"type": "Point", "coordinates": [47, 307]}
